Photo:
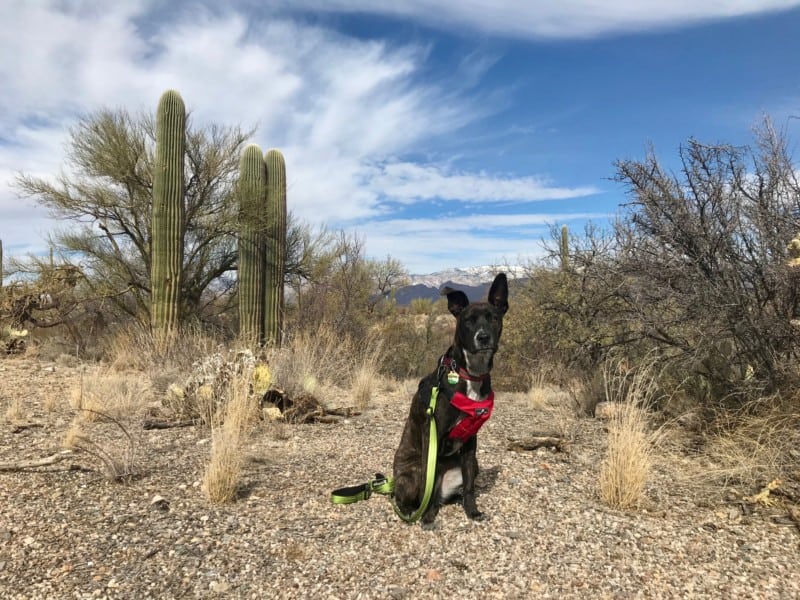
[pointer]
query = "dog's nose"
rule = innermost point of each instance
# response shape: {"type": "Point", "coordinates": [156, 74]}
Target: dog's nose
{"type": "Point", "coordinates": [483, 338]}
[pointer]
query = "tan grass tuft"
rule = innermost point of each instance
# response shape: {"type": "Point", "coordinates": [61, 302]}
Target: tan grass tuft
{"type": "Point", "coordinates": [625, 469]}
{"type": "Point", "coordinates": [117, 395]}
{"type": "Point", "coordinates": [365, 375]}
{"type": "Point", "coordinates": [117, 458]}
{"type": "Point", "coordinates": [223, 474]}
{"type": "Point", "coordinates": [308, 363]}
{"type": "Point", "coordinates": [753, 445]}
{"type": "Point", "coordinates": [15, 412]}
{"type": "Point", "coordinates": [539, 391]}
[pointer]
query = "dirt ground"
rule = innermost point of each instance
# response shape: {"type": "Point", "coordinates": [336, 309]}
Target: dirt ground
{"type": "Point", "coordinates": [66, 531]}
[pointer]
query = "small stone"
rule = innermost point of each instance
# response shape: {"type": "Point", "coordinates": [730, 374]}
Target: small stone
{"type": "Point", "coordinates": [219, 587]}
{"type": "Point", "coordinates": [159, 503]}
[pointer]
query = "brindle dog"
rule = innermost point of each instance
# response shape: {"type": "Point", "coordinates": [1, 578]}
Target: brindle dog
{"type": "Point", "coordinates": [478, 329]}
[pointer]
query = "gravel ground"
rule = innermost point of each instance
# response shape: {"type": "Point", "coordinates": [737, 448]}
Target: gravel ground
{"type": "Point", "coordinates": [66, 532]}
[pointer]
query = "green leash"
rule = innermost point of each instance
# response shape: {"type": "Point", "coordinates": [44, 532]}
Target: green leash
{"type": "Point", "coordinates": [385, 485]}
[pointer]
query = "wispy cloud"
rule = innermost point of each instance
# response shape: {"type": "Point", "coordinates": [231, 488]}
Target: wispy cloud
{"type": "Point", "coordinates": [468, 239]}
{"type": "Point", "coordinates": [346, 112]}
{"type": "Point", "coordinates": [548, 19]}
{"type": "Point", "coordinates": [408, 183]}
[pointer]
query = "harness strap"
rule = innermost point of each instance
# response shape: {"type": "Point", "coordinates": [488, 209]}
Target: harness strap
{"type": "Point", "coordinates": [385, 485]}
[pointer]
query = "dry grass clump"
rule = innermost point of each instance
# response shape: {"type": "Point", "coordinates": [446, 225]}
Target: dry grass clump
{"type": "Point", "coordinates": [308, 362]}
{"type": "Point", "coordinates": [115, 395]}
{"type": "Point", "coordinates": [323, 364]}
{"type": "Point", "coordinates": [625, 469]}
{"type": "Point", "coordinates": [15, 412]}
{"type": "Point", "coordinates": [117, 458]}
{"type": "Point", "coordinates": [365, 374]}
{"type": "Point", "coordinates": [554, 402]}
{"type": "Point", "coordinates": [223, 473]}
{"type": "Point", "coordinates": [136, 347]}
{"type": "Point", "coordinates": [539, 391]}
{"type": "Point", "coordinates": [755, 444]}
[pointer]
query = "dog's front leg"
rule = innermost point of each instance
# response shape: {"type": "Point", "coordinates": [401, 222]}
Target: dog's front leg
{"type": "Point", "coordinates": [469, 470]}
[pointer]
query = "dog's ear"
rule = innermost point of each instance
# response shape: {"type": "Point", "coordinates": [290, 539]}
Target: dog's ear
{"type": "Point", "coordinates": [498, 293]}
{"type": "Point", "coordinates": [456, 300]}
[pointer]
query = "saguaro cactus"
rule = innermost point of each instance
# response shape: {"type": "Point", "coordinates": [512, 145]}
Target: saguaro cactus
{"type": "Point", "coordinates": [1, 263]}
{"type": "Point", "coordinates": [275, 242]}
{"type": "Point", "coordinates": [252, 191]}
{"type": "Point", "coordinates": [564, 248]}
{"type": "Point", "coordinates": [168, 212]}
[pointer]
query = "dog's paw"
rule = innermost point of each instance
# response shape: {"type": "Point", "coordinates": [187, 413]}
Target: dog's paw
{"type": "Point", "coordinates": [432, 526]}
{"type": "Point", "coordinates": [478, 516]}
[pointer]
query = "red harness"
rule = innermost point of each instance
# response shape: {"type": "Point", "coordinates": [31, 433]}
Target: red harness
{"type": "Point", "coordinates": [477, 413]}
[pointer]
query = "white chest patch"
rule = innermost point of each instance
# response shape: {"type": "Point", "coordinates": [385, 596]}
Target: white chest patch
{"type": "Point", "coordinates": [451, 483]}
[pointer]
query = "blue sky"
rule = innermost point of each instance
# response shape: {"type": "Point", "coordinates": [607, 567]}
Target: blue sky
{"type": "Point", "coordinates": [447, 134]}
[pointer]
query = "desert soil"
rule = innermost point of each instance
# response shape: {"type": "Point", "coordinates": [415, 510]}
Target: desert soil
{"type": "Point", "coordinates": [68, 532]}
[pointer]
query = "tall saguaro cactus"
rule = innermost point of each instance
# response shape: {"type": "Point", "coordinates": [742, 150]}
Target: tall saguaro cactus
{"type": "Point", "coordinates": [168, 212]}
{"type": "Point", "coordinates": [564, 248]}
{"type": "Point", "coordinates": [252, 191]}
{"type": "Point", "coordinates": [275, 242]}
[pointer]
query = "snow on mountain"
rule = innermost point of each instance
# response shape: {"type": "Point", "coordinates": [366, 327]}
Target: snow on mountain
{"type": "Point", "coordinates": [471, 276]}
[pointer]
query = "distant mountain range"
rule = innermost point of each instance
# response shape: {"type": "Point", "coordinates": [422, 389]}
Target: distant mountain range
{"type": "Point", "coordinates": [473, 281]}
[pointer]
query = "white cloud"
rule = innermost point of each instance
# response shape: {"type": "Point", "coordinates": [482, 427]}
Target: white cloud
{"type": "Point", "coordinates": [428, 245]}
{"type": "Point", "coordinates": [344, 111]}
{"type": "Point", "coordinates": [548, 18]}
{"type": "Point", "coordinates": [409, 183]}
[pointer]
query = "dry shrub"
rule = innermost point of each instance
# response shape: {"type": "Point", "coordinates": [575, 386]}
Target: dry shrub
{"type": "Point", "coordinates": [625, 469]}
{"type": "Point", "coordinates": [308, 362]}
{"type": "Point", "coordinates": [106, 393]}
{"type": "Point", "coordinates": [51, 399]}
{"type": "Point", "coordinates": [554, 402]}
{"type": "Point", "coordinates": [223, 474]}
{"type": "Point", "coordinates": [117, 457]}
{"type": "Point", "coordinates": [539, 391]}
{"type": "Point", "coordinates": [136, 347]}
{"type": "Point", "coordinates": [755, 444]}
{"type": "Point", "coordinates": [365, 374]}
{"type": "Point", "coordinates": [15, 412]}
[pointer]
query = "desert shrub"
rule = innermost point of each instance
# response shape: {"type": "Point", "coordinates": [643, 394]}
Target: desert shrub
{"type": "Point", "coordinates": [708, 277]}
{"type": "Point", "coordinates": [421, 306]}
{"type": "Point", "coordinates": [413, 342]}
{"type": "Point", "coordinates": [753, 444]}
{"type": "Point", "coordinates": [133, 346]}
{"type": "Point", "coordinates": [697, 269]}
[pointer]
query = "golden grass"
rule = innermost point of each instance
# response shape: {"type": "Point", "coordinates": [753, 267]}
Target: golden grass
{"type": "Point", "coordinates": [223, 474]}
{"type": "Point", "coordinates": [135, 347]}
{"type": "Point", "coordinates": [307, 363]}
{"type": "Point", "coordinates": [365, 374]}
{"type": "Point", "coordinates": [753, 445]}
{"type": "Point", "coordinates": [15, 412]}
{"type": "Point", "coordinates": [625, 469]}
{"type": "Point", "coordinates": [116, 395]}
{"type": "Point", "coordinates": [538, 390]}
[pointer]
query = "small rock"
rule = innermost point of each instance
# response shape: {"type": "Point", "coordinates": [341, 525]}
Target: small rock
{"type": "Point", "coordinates": [219, 587]}
{"type": "Point", "coordinates": [605, 410]}
{"type": "Point", "coordinates": [159, 503]}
